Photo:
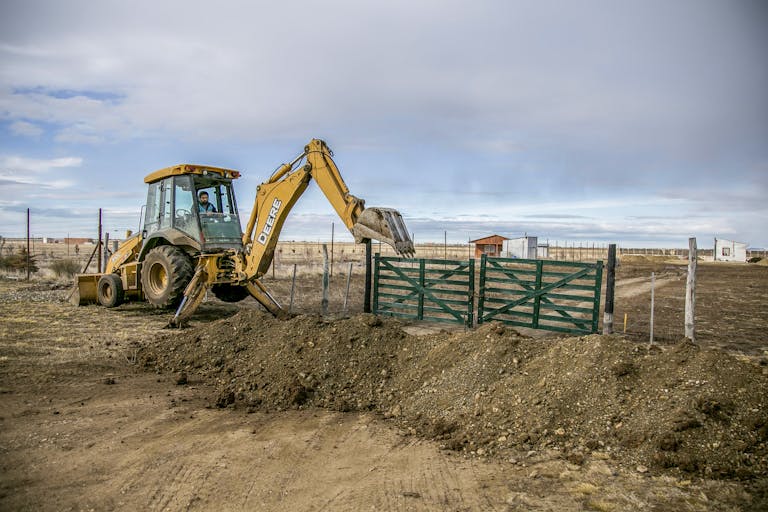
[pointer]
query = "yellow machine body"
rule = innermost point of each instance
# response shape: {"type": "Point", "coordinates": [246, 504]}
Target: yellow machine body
{"type": "Point", "coordinates": [234, 271]}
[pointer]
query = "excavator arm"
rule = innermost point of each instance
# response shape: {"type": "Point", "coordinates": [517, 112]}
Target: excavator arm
{"type": "Point", "coordinates": [276, 197]}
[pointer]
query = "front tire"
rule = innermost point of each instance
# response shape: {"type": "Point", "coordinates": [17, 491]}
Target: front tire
{"type": "Point", "coordinates": [109, 290]}
{"type": "Point", "coordinates": [165, 273]}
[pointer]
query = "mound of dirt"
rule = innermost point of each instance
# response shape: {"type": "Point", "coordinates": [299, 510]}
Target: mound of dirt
{"type": "Point", "coordinates": [492, 391]}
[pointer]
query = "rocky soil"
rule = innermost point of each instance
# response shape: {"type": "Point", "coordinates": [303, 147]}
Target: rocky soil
{"type": "Point", "coordinates": [677, 409]}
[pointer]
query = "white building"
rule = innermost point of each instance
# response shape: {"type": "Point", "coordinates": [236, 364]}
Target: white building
{"type": "Point", "coordinates": [728, 250]}
{"type": "Point", "coordinates": [525, 247]}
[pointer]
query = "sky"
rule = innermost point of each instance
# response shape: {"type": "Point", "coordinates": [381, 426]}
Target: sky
{"type": "Point", "coordinates": [641, 123]}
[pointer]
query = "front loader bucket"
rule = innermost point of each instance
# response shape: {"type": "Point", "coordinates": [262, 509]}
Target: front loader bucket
{"type": "Point", "coordinates": [86, 286]}
{"type": "Point", "coordinates": [384, 224]}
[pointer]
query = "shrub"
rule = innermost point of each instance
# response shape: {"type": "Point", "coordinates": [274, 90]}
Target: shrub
{"type": "Point", "coordinates": [65, 267]}
{"type": "Point", "coordinates": [18, 262]}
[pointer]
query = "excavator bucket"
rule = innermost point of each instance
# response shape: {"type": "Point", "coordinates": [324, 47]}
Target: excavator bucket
{"type": "Point", "coordinates": [384, 224]}
{"type": "Point", "coordinates": [85, 290]}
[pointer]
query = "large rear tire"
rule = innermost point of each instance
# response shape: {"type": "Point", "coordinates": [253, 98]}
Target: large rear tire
{"type": "Point", "coordinates": [230, 292]}
{"type": "Point", "coordinates": [109, 290]}
{"type": "Point", "coordinates": [165, 273]}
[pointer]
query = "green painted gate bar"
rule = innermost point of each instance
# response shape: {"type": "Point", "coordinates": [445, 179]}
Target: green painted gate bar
{"type": "Point", "coordinates": [424, 289]}
{"type": "Point", "coordinates": [559, 296]}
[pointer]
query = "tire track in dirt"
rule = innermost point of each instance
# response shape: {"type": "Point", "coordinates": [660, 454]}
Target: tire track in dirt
{"type": "Point", "coordinates": [281, 480]}
{"type": "Point", "coordinates": [173, 464]}
{"type": "Point", "coordinates": [268, 450]}
{"type": "Point", "coordinates": [627, 288]}
{"type": "Point", "coordinates": [413, 476]}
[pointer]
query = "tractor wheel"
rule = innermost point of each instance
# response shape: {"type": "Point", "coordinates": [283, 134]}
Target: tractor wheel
{"type": "Point", "coordinates": [165, 273]}
{"type": "Point", "coordinates": [230, 292]}
{"type": "Point", "coordinates": [109, 290]}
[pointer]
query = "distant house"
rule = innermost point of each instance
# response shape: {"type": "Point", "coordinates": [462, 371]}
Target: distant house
{"type": "Point", "coordinates": [78, 240]}
{"type": "Point", "coordinates": [728, 250]}
{"type": "Point", "coordinates": [489, 245]}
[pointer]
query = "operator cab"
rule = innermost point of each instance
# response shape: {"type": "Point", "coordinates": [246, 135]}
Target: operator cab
{"type": "Point", "coordinates": [175, 210]}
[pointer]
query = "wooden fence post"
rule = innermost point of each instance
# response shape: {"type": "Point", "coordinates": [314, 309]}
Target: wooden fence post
{"type": "Point", "coordinates": [367, 298]}
{"type": "Point", "coordinates": [690, 291]}
{"type": "Point", "coordinates": [610, 285]}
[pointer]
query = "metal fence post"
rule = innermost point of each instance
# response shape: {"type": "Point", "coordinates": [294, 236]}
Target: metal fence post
{"type": "Point", "coordinates": [324, 302]}
{"type": "Point", "coordinates": [346, 293]}
{"type": "Point", "coordinates": [293, 287]}
{"type": "Point", "coordinates": [690, 291]}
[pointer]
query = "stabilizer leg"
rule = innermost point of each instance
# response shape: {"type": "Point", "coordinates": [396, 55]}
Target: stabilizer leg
{"type": "Point", "coordinates": [260, 293]}
{"type": "Point", "coordinates": [194, 294]}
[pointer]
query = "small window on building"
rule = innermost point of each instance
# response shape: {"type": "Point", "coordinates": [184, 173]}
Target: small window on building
{"type": "Point", "coordinates": [726, 251]}
{"type": "Point", "coordinates": [490, 249]}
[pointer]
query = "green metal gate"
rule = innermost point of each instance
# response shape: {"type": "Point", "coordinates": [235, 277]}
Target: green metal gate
{"type": "Point", "coordinates": [553, 295]}
{"type": "Point", "coordinates": [422, 289]}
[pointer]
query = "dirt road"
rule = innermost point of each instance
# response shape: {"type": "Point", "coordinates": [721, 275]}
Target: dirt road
{"type": "Point", "coordinates": [84, 428]}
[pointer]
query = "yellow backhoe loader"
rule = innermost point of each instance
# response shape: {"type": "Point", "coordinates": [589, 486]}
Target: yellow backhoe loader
{"type": "Point", "coordinates": [188, 245]}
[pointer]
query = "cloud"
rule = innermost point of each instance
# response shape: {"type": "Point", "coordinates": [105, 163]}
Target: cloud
{"type": "Point", "coordinates": [80, 134]}
{"type": "Point", "coordinates": [31, 183]}
{"type": "Point", "coordinates": [19, 164]}
{"type": "Point", "coordinates": [26, 129]}
{"type": "Point", "coordinates": [32, 174]}
{"type": "Point", "coordinates": [10, 182]}
{"type": "Point", "coordinates": [483, 112]}
{"type": "Point", "coordinates": [553, 216]}
{"type": "Point", "coordinates": [513, 68]}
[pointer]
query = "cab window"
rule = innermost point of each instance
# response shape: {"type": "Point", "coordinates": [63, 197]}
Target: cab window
{"type": "Point", "coordinates": [184, 215]}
